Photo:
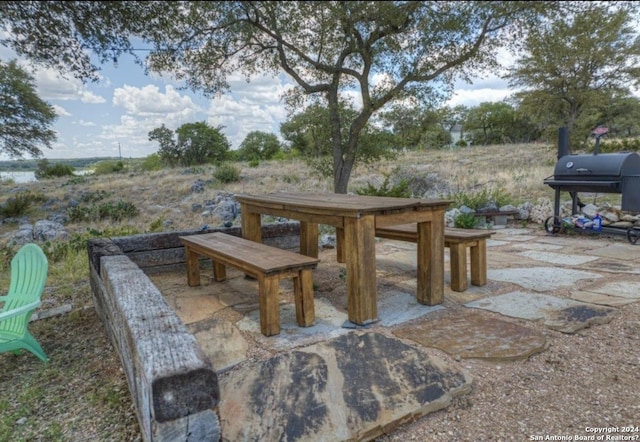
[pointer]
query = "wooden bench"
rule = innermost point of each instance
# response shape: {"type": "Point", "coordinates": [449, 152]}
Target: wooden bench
{"type": "Point", "coordinates": [265, 263]}
{"type": "Point", "coordinates": [457, 240]}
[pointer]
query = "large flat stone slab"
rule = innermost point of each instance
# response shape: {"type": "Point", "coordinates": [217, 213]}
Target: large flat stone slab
{"type": "Point", "coordinates": [536, 246]}
{"type": "Point", "coordinates": [354, 387]}
{"type": "Point", "coordinates": [557, 258]}
{"type": "Point", "coordinates": [600, 299]}
{"type": "Point", "coordinates": [625, 251]}
{"type": "Point", "coordinates": [564, 315]}
{"type": "Point", "coordinates": [612, 293]}
{"type": "Point", "coordinates": [470, 334]}
{"type": "Point", "coordinates": [542, 279]}
{"type": "Point", "coordinates": [221, 341]}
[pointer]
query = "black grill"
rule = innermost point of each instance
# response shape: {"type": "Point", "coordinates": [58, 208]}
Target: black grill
{"type": "Point", "coordinates": [603, 173]}
{"type": "Point", "coordinates": [597, 173]}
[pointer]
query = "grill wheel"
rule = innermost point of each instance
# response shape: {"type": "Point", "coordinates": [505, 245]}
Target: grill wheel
{"type": "Point", "coordinates": [633, 234]}
{"type": "Point", "coordinates": [553, 225]}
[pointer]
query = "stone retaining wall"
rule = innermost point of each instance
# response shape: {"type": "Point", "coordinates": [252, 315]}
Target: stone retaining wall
{"type": "Point", "coordinates": [174, 387]}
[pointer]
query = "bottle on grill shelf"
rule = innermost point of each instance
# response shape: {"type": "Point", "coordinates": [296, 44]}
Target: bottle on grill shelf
{"type": "Point", "coordinates": [597, 223]}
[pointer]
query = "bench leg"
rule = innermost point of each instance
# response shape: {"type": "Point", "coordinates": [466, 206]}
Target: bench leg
{"type": "Point", "coordinates": [479, 263]}
{"type": "Point", "coordinates": [193, 268]}
{"type": "Point", "coordinates": [219, 272]}
{"type": "Point", "coordinates": [303, 292]}
{"type": "Point", "coordinates": [458, 258]}
{"type": "Point", "coordinates": [268, 288]}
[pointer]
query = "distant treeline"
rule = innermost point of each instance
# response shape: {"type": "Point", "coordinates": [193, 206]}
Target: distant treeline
{"type": "Point", "coordinates": [76, 163]}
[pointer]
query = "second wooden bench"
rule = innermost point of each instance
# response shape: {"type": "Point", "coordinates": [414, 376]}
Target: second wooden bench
{"type": "Point", "coordinates": [265, 263]}
{"type": "Point", "coordinates": [457, 240]}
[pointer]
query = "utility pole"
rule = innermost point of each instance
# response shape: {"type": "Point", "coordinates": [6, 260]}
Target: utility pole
{"type": "Point", "coordinates": [119, 151]}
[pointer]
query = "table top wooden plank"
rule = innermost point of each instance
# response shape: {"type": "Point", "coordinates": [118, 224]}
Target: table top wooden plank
{"type": "Point", "coordinates": [339, 204]}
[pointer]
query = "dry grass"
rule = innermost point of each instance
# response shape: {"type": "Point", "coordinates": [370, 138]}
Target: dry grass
{"type": "Point", "coordinates": [81, 394]}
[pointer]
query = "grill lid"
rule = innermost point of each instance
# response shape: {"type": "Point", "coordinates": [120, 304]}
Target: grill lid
{"type": "Point", "coordinates": [608, 166]}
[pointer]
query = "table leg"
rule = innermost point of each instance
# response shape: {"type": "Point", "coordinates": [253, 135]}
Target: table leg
{"type": "Point", "coordinates": [360, 254]}
{"type": "Point", "coordinates": [431, 261]}
{"type": "Point", "coordinates": [309, 239]}
{"type": "Point", "coordinates": [340, 245]}
{"type": "Point", "coordinates": [251, 225]}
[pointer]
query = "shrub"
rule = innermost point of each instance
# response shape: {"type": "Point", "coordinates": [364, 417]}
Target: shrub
{"type": "Point", "coordinates": [108, 166]}
{"type": "Point", "coordinates": [398, 190]}
{"type": "Point", "coordinates": [46, 170]}
{"type": "Point", "coordinates": [151, 162]}
{"type": "Point", "coordinates": [19, 204]}
{"type": "Point", "coordinates": [116, 211]}
{"type": "Point", "coordinates": [227, 173]}
{"type": "Point", "coordinates": [465, 221]}
{"type": "Point", "coordinates": [480, 199]}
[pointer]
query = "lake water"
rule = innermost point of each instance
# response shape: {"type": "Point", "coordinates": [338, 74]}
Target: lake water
{"type": "Point", "coordinates": [29, 176]}
{"type": "Point", "coordinates": [19, 177]}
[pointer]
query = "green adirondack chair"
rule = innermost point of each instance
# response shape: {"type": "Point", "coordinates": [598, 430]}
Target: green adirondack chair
{"type": "Point", "coordinates": [29, 269]}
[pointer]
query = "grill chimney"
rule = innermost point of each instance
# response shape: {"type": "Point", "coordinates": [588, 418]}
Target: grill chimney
{"type": "Point", "coordinates": [563, 142]}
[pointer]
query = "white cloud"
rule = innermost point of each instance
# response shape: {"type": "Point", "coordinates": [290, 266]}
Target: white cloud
{"type": "Point", "coordinates": [85, 123]}
{"type": "Point", "coordinates": [51, 86]}
{"type": "Point", "coordinates": [148, 100]}
{"type": "Point", "coordinates": [60, 111]}
{"type": "Point", "coordinates": [473, 97]}
{"type": "Point", "coordinates": [253, 106]}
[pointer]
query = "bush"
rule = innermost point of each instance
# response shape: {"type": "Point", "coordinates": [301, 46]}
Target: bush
{"type": "Point", "coordinates": [478, 200]}
{"type": "Point", "coordinates": [227, 173]}
{"type": "Point", "coordinates": [398, 190]}
{"type": "Point", "coordinates": [108, 166]}
{"type": "Point", "coordinates": [151, 162]}
{"type": "Point", "coordinates": [46, 170]}
{"type": "Point", "coordinates": [116, 211]}
{"type": "Point", "coordinates": [19, 204]}
{"type": "Point", "coordinates": [465, 221]}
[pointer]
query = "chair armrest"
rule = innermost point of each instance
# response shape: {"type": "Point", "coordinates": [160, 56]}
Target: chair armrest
{"type": "Point", "coordinates": [19, 311]}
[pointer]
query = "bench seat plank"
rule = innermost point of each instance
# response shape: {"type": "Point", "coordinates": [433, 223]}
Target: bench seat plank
{"type": "Point", "coordinates": [457, 240]}
{"type": "Point", "coordinates": [267, 264]}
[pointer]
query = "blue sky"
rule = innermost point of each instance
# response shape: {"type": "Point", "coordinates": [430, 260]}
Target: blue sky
{"type": "Point", "coordinates": [114, 116]}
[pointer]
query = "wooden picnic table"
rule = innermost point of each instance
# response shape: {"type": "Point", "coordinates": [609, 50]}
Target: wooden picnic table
{"type": "Point", "coordinates": [355, 218]}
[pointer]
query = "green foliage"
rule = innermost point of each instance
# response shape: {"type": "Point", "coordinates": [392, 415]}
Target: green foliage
{"type": "Point", "coordinates": [465, 221]}
{"type": "Point", "coordinates": [151, 162]}
{"type": "Point", "coordinates": [25, 119]}
{"type": "Point", "coordinates": [254, 162]}
{"type": "Point", "coordinates": [157, 225]}
{"type": "Point", "coordinates": [115, 211]}
{"type": "Point", "coordinates": [309, 134]}
{"type": "Point", "coordinates": [620, 145]}
{"type": "Point", "coordinates": [435, 138]}
{"type": "Point", "coordinates": [59, 251]}
{"type": "Point", "coordinates": [46, 170]}
{"type": "Point", "coordinates": [398, 190]}
{"type": "Point", "coordinates": [461, 143]}
{"type": "Point", "coordinates": [498, 123]}
{"type": "Point", "coordinates": [258, 146]}
{"type": "Point", "coordinates": [573, 68]}
{"type": "Point", "coordinates": [20, 204]}
{"type": "Point", "coordinates": [227, 173]}
{"type": "Point", "coordinates": [94, 197]}
{"type": "Point", "coordinates": [479, 199]}
{"type": "Point", "coordinates": [108, 166]}
{"type": "Point", "coordinates": [195, 144]}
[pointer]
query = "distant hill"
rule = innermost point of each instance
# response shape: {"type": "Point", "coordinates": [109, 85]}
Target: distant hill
{"type": "Point", "coordinates": [32, 164]}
